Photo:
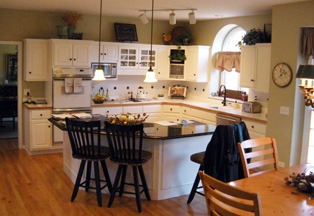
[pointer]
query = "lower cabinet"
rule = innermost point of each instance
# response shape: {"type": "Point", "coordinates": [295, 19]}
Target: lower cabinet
{"type": "Point", "coordinates": [38, 131]}
{"type": "Point", "coordinates": [255, 129]}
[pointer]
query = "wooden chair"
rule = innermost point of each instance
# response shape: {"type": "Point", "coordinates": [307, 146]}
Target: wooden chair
{"type": "Point", "coordinates": [224, 199]}
{"type": "Point", "coordinates": [262, 158]}
{"type": "Point", "coordinates": [86, 146]}
{"type": "Point", "coordinates": [126, 143]}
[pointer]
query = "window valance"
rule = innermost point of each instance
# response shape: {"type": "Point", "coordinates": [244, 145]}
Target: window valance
{"type": "Point", "coordinates": [308, 42]}
{"type": "Point", "coordinates": [227, 61]}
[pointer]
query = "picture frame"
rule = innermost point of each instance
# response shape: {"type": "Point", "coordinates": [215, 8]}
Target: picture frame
{"type": "Point", "coordinates": [11, 67]}
{"type": "Point", "coordinates": [125, 32]}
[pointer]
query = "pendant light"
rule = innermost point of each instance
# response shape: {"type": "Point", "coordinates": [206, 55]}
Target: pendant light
{"type": "Point", "coordinates": [150, 74]}
{"type": "Point", "coordinates": [99, 72]}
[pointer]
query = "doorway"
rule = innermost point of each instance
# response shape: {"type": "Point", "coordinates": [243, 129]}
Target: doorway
{"type": "Point", "coordinates": [10, 90]}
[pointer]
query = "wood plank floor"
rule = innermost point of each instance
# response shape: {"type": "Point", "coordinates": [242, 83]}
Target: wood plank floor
{"type": "Point", "coordinates": [36, 185]}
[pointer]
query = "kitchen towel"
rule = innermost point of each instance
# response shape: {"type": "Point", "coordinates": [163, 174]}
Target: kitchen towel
{"type": "Point", "coordinates": [68, 85]}
{"type": "Point", "coordinates": [78, 88]}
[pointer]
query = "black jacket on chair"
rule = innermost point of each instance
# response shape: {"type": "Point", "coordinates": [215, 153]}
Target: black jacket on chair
{"type": "Point", "coordinates": [222, 159]}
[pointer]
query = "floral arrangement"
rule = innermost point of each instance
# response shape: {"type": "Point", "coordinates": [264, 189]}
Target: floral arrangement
{"type": "Point", "coordinates": [127, 119]}
{"type": "Point", "coordinates": [72, 18]}
{"type": "Point", "coordinates": [303, 182]}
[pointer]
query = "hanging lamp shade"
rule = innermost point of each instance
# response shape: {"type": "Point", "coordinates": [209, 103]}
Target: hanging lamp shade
{"type": "Point", "coordinates": [99, 73]}
{"type": "Point", "coordinates": [150, 76]}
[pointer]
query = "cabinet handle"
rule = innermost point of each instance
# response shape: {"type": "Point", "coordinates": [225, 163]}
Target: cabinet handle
{"type": "Point", "coordinates": [74, 59]}
{"type": "Point", "coordinates": [49, 126]}
{"type": "Point", "coordinates": [107, 111]}
{"type": "Point", "coordinates": [252, 126]}
{"type": "Point", "coordinates": [70, 59]}
{"type": "Point", "coordinates": [30, 72]}
{"type": "Point", "coordinates": [41, 114]}
{"type": "Point", "coordinates": [252, 80]}
{"type": "Point", "coordinates": [170, 109]}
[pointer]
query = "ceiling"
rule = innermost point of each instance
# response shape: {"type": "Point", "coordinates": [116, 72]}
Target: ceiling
{"type": "Point", "coordinates": [205, 9]}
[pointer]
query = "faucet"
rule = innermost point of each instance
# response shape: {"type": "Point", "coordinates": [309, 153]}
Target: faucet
{"type": "Point", "coordinates": [224, 93]}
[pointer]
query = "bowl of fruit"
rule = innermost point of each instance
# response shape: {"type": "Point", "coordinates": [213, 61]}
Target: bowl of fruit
{"type": "Point", "coordinates": [99, 99]}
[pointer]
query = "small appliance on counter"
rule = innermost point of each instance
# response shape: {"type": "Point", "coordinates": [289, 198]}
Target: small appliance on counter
{"type": "Point", "coordinates": [177, 91]}
{"type": "Point", "coordinates": [251, 107]}
{"type": "Point", "coordinates": [140, 94]}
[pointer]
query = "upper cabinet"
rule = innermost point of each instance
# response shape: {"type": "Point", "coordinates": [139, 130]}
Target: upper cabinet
{"type": "Point", "coordinates": [255, 67]}
{"type": "Point", "coordinates": [134, 60]}
{"type": "Point", "coordinates": [71, 53]}
{"type": "Point", "coordinates": [163, 64]}
{"type": "Point", "coordinates": [36, 60]}
{"type": "Point", "coordinates": [197, 63]}
{"type": "Point", "coordinates": [108, 52]}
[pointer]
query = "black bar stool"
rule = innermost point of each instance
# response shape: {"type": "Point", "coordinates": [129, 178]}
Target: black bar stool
{"type": "Point", "coordinates": [125, 143]}
{"type": "Point", "coordinates": [86, 146]}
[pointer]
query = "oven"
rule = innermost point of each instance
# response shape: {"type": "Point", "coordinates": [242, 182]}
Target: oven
{"type": "Point", "coordinates": [71, 93]}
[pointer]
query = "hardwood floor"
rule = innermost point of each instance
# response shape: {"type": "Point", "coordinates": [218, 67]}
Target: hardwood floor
{"type": "Point", "coordinates": [36, 185]}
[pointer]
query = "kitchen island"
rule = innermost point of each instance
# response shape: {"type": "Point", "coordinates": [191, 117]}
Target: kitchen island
{"type": "Point", "coordinates": [169, 173]}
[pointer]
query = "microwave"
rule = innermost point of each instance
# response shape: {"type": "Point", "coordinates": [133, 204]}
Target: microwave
{"type": "Point", "coordinates": [176, 71]}
{"type": "Point", "coordinates": [110, 69]}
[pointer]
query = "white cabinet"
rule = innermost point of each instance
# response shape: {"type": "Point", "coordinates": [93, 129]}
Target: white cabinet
{"type": "Point", "coordinates": [255, 129]}
{"type": "Point", "coordinates": [71, 53]}
{"type": "Point", "coordinates": [153, 111]}
{"type": "Point", "coordinates": [163, 63]}
{"type": "Point", "coordinates": [135, 60]}
{"type": "Point", "coordinates": [197, 63]}
{"type": "Point", "coordinates": [199, 115]}
{"type": "Point", "coordinates": [112, 110]}
{"type": "Point", "coordinates": [171, 112]}
{"type": "Point", "coordinates": [108, 52]}
{"type": "Point", "coordinates": [38, 130]}
{"type": "Point", "coordinates": [255, 67]}
{"type": "Point", "coordinates": [36, 60]}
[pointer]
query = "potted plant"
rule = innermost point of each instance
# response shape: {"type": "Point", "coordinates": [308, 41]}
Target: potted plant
{"type": "Point", "coordinates": [255, 36]}
{"type": "Point", "coordinates": [177, 55]}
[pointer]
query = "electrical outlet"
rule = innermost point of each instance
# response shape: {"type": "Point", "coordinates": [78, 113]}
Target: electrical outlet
{"type": "Point", "coordinates": [284, 110]}
{"type": "Point", "coordinates": [27, 91]}
{"type": "Point", "coordinates": [281, 164]}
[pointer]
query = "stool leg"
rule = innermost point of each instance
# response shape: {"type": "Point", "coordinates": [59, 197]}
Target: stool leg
{"type": "Point", "coordinates": [195, 185]}
{"type": "Point", "coordinates": [97, 182]}
{"type": "Point", "coordinates": [115, 186]}
{"type": "Point", "coordinates": [122, 183]}
{"type": "Point", "coordinates": [106, 174]}
{"type": "Point", "coordinates": [144, 183]}
{"type": "Point", "coordinates": [137, 189]}
{"type": "Point", "coordinates": [78, 180]}
{"type": "Point", "coordinates": [88, 172]}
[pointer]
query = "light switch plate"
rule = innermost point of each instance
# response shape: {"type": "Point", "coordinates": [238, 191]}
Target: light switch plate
{"type": "Point", "coordinates": [284, 110]}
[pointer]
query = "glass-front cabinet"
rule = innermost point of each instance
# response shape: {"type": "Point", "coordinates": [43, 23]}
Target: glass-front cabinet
{"type": "Point", "coordinates": [137, 59]}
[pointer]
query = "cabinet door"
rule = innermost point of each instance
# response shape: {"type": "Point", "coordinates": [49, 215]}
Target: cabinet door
{"type": "Point", "coordinates": [62, 54]}
{"type": "Point", "coordinates": [128, 57]}
{"type": "Point", "coordinates": [197, 63]}
{"type": "Point", "coordinates": [36, 57]}
{"type": "Point", "coordinates": [107, 110]}
{"type": "Point", "coordinates": [40, 134]}
{"type": "Point", "coordinates": [263, 70]}
{"type": "Point", "coordinates": [163, 63]}
{"type": "Point", "coordinates": [144, 58]}
{"type": "Point", "coordinates": [81, 55]}
{"type": "Point", "coordinates": [110, 53]}
{"type": "Point", "coordinates": [248, 66]}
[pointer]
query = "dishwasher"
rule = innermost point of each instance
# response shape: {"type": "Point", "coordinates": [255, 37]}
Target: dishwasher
{"type": "Point", "coordinates": [225, 119]}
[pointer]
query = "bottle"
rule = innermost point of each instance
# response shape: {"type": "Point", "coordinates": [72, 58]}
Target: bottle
{"type": "Point", "coordinates": [29, 99]}
{"type": "Point", "coordinates": [107, 94]}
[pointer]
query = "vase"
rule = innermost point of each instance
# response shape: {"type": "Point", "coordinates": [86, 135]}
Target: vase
{"type": "Point", "coordinates": [62, 31]}
{"type": "Point", "coordinates": [71, 31]}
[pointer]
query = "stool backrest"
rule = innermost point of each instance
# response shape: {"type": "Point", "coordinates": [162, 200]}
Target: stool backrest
{"type": "Point", "coordinates": [125, 142]}
{"type": "Point", "coordinates": [84, 138]}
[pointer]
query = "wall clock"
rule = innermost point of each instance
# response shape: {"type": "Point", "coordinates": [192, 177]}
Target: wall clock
{"type": "Point", "coordinates": [282, 75]}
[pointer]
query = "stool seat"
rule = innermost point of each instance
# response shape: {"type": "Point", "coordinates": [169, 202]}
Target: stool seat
{"type": "Point", "coordinates": [198, 157]}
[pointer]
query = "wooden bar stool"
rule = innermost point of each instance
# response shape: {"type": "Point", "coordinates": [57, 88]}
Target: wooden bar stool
{"type": "Point", "coordinates": [86, 146]}
{"type": "Point", "coordinates": [125, 143]}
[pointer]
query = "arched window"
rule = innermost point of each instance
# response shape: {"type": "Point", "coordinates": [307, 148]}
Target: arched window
{"type": "Point", "coordinates": [230, 43]}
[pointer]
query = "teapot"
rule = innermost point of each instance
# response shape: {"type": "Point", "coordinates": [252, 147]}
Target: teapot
{"type": "Point", "coordinates": [140, 93]}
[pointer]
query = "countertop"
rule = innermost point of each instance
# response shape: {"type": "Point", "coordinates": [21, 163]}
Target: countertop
{"type": "Point", "coordinates": [206, 129]}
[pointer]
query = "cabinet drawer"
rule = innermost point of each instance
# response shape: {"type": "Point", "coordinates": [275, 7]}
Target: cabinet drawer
{"type": "Point", "coordinates": [170, 109]}
{"type": "Point", "coordinates": [40, 114]}
{"type": "Point", "coordinates": [152, 108]}
{"type": "Point", "coordinates": [256, 127]}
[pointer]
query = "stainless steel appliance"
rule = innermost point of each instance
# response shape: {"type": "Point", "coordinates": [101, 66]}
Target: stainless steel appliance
{"type": "Point", "coordinates": [110, 69]}
{"type": "Point", "coordinates": [71, 92]}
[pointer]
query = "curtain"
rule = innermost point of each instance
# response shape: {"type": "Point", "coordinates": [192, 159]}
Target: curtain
{"type": "Point", "coordinates": [308, 42]}
{"type": "Point", "coordinates": [227, 61]}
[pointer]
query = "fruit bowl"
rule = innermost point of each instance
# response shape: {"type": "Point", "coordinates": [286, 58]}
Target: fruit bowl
{"type": "Point", "coordinates": [98, 101]}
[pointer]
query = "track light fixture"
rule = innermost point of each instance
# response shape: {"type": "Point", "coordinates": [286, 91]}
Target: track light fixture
{"type": "Point", "coordinates": [143, 18]}
{"type": "Point", "coordinates": [172, 18]}
{"type": "Point", "coordinates": [172, 15]}
{"type": "Point", "coordinates": [192, 19]}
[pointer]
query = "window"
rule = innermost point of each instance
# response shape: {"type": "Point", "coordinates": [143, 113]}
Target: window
{"type": "Point", "coordinates": [230, 43]}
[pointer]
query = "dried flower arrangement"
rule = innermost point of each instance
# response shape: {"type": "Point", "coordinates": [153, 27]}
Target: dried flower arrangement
{"type": "Point", "coordinates": [72, 18]}
{"type": "Point", "coordinates": [303, 182]}
{"type": "Point", "coordinates": [127, 119]}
